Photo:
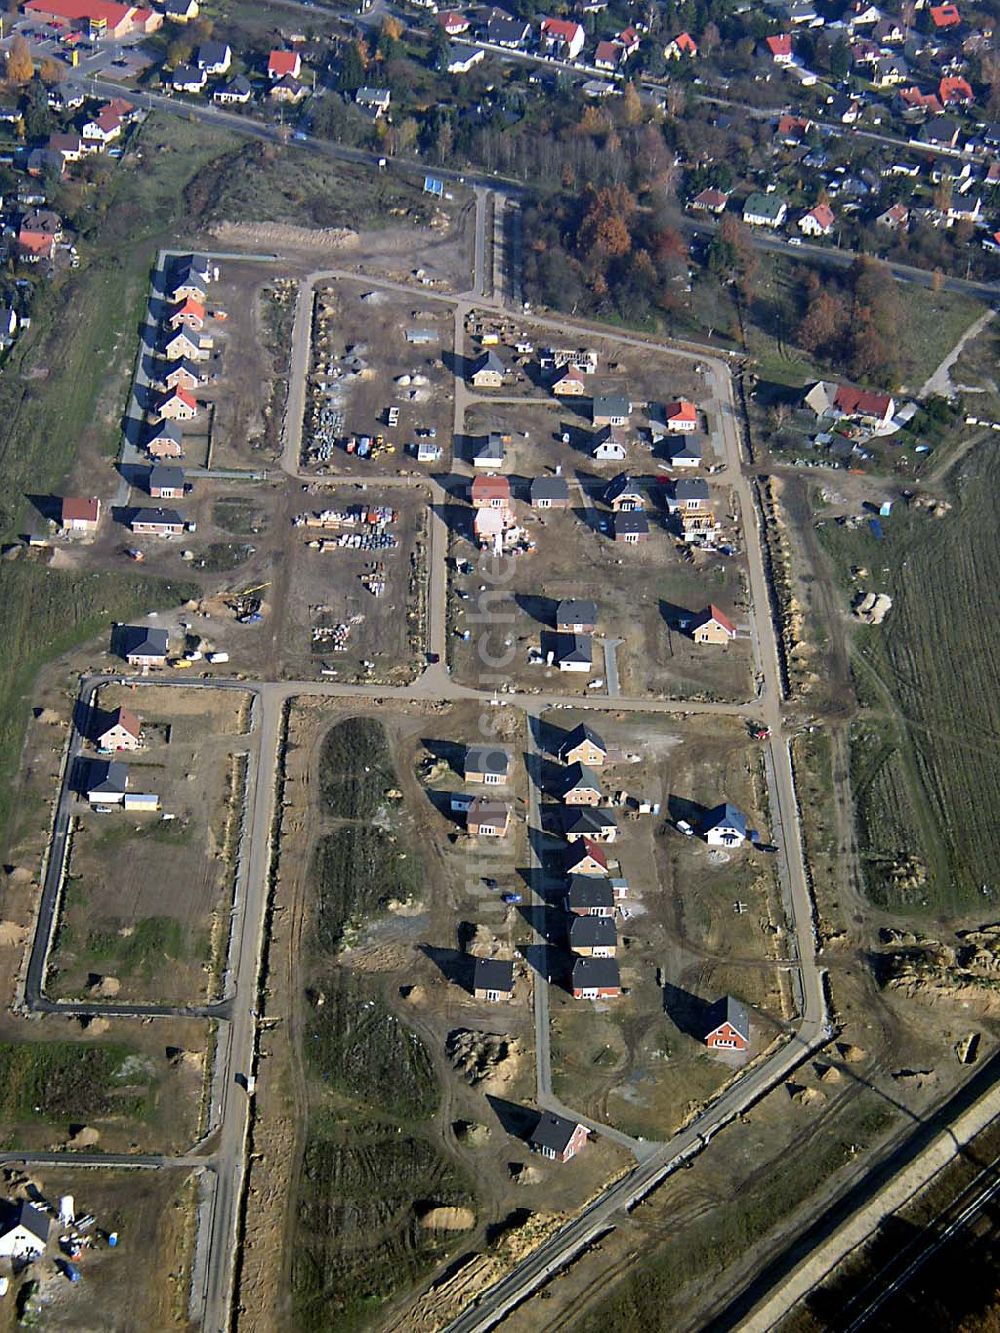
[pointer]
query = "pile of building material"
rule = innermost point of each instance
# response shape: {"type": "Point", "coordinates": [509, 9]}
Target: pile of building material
{"type": "Point", "coordinates": [873, 608]}
{"type": "Point", "coordinates": [335, 638]}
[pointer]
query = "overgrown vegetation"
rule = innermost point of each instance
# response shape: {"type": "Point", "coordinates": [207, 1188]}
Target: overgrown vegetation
{"type": "Point", "coordinates": [356, 768]}
{"type": "Point", "coordinates": [148, 944]}
{"type": "Point", "coordinates": [66, 1081]}
{"type": "Point", "coordinates": [358, 871]}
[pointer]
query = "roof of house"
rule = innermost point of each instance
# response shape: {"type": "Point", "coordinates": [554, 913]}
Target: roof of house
{"type": "Point", "coordinates": [213, 53]}
{"type": "Point", "coordinates": [760, 205]}
{"type": "Point", "coordinates": [608, 53]}
{"type": "Point", "coordinates": [108, 777]}
{"type": "Point", "coordinates": [549, 488]}
{"type": "Point", "coordinates": [728, 1010]}
{"type": "Point", "coordinates": [161, 474]}
{"type": "Point", "coordinates": [189, 306]}
{"type": "Point", "coordinates": [564, 30]}
{"type": "Point", "coordinates": [617, 487]}
{"type": "Point", "coordinates": [580, 850]}
{"type": "Point", "coordinates": [485, 810]}
{"type": "Point", "coordinates": [713, 613]}
{"type": "Point", "coordinates": [576, 648]}
{"type": "Point", "coordinates": [688, 446]}
{"type": "Point", "coordinates": [487, 759]}
{"type": "Point", "coordinates": [580, 777]}
{"type": "Point", "coordinates": [145, 641]}
{"type": "Point", "coordinates": [945, 16]}
{"type": "Point", "coordinates": [124, 718]}
{"type": "Point", "coordinates": [611, 405]}
{"type": "Point", "coordinates": [490, 487]}
{"type": "Point", "coordinates": [711, 198]}
{"type": "Point", "coordinates": [493, 974]}
{"type": "Point", "coordinates": [280, 63]}
{"type": "Point", "coordinates": [553, 1132]}
{"type": "Point", "coordinates": [589, 891]}
{"type": "Point", "coordinates": [630, 521]}
{"type": "Point", "coordinates": [596, 972]}
{"type": "Point", "coordinates": [583, 732]}
{"type": "Point", "coordinates": [685, 42]}
{"type": "Point", "coordinates": [726, 815]}
{"type": "Point", "coordinates": [576, 611]}
{"type": "Point", "coordinates": [955, 89]}
{"type": "Point", "coordinates": [691, 488]}
{"type": "Point", "coordinates": [187, 74]}
{"type": "Point", "coordinates": [167, 430]}
{"type": "Point", "coordinates": [781, 45]}
{"type": "Point", "coordinates": [76, 509]}
{"type": "Point", "coordinates": [488, 361]}
{"type": "Point", "coordinates": [32, 1219]}
{"type": "Point", "coordinates": [589, 932]}
{"type": "Point", "coordinates": [865, 402]}
{"type": "Point", "coordinates": [585, 819]}
{"type": "Point", "coordinates": [179, 394]}
{"type": "Point", "coordinates": [680, 410]}
{"type": "Point", "coordinates": [569, 372]}
{"type": "Point", "coordinates": [823, 214]}
{"type": "Point", "coordinates": [164, 518]}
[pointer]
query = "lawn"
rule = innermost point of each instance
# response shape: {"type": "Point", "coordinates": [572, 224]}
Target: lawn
{"type": "Point", "coordinates": [929, 770]}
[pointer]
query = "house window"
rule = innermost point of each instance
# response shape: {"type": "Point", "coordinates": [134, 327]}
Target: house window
{"type": "Point", "coordinates": [492, 779]}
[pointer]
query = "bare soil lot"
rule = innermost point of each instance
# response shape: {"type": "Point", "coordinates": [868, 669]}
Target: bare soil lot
{"type": "Point", "coordinates": [345, 606]}
{"type": "Point", "coordinates": [639, 591]}
{"type": "Point", "coordinates": [144, 911]}
{"type": "Point", "coordinates": [363, 365]}
{"type": "Point", "coordinates": [153, 1214]}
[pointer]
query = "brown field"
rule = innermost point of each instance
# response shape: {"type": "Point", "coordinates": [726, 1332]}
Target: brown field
{"type": "Point", "coordinates": [144, 908]}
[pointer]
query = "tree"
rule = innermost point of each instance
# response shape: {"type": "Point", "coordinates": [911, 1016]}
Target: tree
{"type": "Point", "coordinates": [20, 66]}
{"type": "Point", "coordinates": [604, 232]}
{"type": "Point", "coordinates": [840, 59]}
{"type": "Point", "coordinates": [710, 39]}
{"type": "Point", "coordinates": [823, 324]}
{"type": "Point", "coordinates": [631, 105]}
{"type": "Point", "coordinates": [351, 74]}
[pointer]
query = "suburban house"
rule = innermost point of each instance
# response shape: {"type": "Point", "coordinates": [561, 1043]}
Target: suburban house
{"type": "Point", "coordinates": [103, 129]}
{"type": "Point", "coordinates": [237, 92]}
{"type": "Point", "coordinates": [156, 522]}
{"type": "Point", "coordinates": [490, 492]}
{"type": "Point", "coordinates": [866, 406]}
{"type": "Point", "coordinates": [288, 90]}
{"type": "Point", "coordinates": [819, 221]}
{"type": "Point", "coordinates": [569, 382]}
{"type": "Point", "coordinates": [710, 200]}
{"type": "Point", "coordinates": [182, 347]}
{"type": "Point", "coordinates": [487, 764]}
{"type": "Point", "coordinates": [120, 730]}
{"type": "Point", "coordinates": [182, 374]}
{"type": "Point", "coordinates": [181, 11]}
{"type": "Point", "coordinates": [214, 57]}
{"type": "Point", "coordinates": [166, 441]}
{"type": "Point", "coordinates": [488, 371]}
{"type": "Point", "coordinates": [576, 615]}
{"type": "Point", "coordinates": [586, 858]}
{"type": "Point", "coordinates": [586, 822]}
{"type": "Point", "coordinates": [37, 235]}
{"type": "Point", "coordinates": [141, 646]}
{"type": "Point", "coordinates": [590, 895]}
{"type": "Point", "coordinates": [690, 493]}
{"type": "Point", "coordinates": [26, 1233]}
{"type": "Point", "coordinates": [190, 314]}
{"type": "Point", "coordinates": [575, 652]}
{"type": "Point", "coordinates": [107, 781]}
{"type": "Point", "coordinates": [70, 147]}
{"type": "Point", "coordinates": [609, 445]}
{"type": "Point", "coordinates": [563, 37]}
{"type": "Point", "coordinates": [488, 818]}
{"type": "Point", "coordinates": [610, 409]}
{"type": "Point", "coordinates": [280, 63]}
{"type": "Point", "coordinates": [680, 417]}
{"type": "Point", "coordinates": [630, 526]}
{"type": "Point", "coordinates": [945, 16]}
{"type": "Point", "coordinates": [956, 91]}
{"type": "Point", "coordinates": [893, 218]}
{"type": "Point", "coordinates": [165, 483]}
{"type": "Point", "coordinates": [596, 979]}
{"type": "Point", "coordinates": [462, 59]}
{"type": "Point", "coordinates": [374, 102]}
{"type": "Point", "coordinates": [725, 826]}
{"type": "Point", "coordinates": [729, 1026]}
{"type": "Point", "coordinates": [581, 786]}
{"type": "Point", "coordinates": [609, 55]}
{"type": "Point", "coordinates": [593, 936]}
{"type": "Point", "coordinates": [493, 979]}
{"type": "Point", "coordinates": [687, 453]}
{"type": "Point", "coordinates": [453, 23]}
{"type": "Point", "coordinates": [765, 210]}
{"type": "Point", "coordinates": [584, 746]}
{"type": "Point", "coordinates": [549, 493]}
{"type": "Point", "coordinates": [557, 1138]}
{"type": "Point", "coordinates": [681, 45]}
{"type": "Point", "coordinates": [502, 30]}
{"type": "Point", "coordinates": [779, 48]}
{"type": "Point", "coordinates": [188, 79]}
{"type": "Point", "coordinates": [191, 277]}
{"type": "Point", "coordinates": [713, 627]}
{"type": "Point", "coordinates": [177, 405]}
{"type": "Point", "coordinates": [622, 495]}
{"type": "Point", "coordinates": [80, 515]}
{"type": "Point", "coordinates": [489, 453]}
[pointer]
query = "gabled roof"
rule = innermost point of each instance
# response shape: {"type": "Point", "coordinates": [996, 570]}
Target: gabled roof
{"type": "Point", "coordinates": [490, 487]}
{"type": "Point", "coordinates": [489, 361]}
{"type": "Point", "coordinates": [280, 63]}
{"type": "Point", "coordinates": [163, 518]}
{"type": "Point", "coordinates": [107, 777]}
{"type": "Point", "coordinates": [213, 53]}
{"type": "Point", "coordinates": [628, 521]}
{"type": "Point", "coordinates": [487, 759]}
{"type": "Point", "coordinates": [79, 510]}
{"type": "Point", "coordinates": [597, 973]}
{"type": "Point", "coordinates": [145, 641]}
{"type": "Point", "coordinates": [581, 778]}
{"type": "Point", "coordinates": [853, 401]}
{"type": "Point", "coordinates": [181, 395]}
{"type": "Point", "coordinates": [711, 198]}
{"type": "Point", "coordinates": [32, 1219]}
{"type": "Point", "coordinates": [549, 488]}
{"type": "Point", "coordinates": [760, 205]}
{"type": "Point", "coordinates": [124, 718]}
{"type": "Point", "coordinates": [955, 89]}
{"type": "Point", "coordinates": [781, 45]}
{"type": "Point", "coordinates": [691, 488]}
{"type": "Point", "coordinates": [823, 214]}
{"type": "Point", "coordinates": [160, 474]}
{"type": "Point", "coordinates": [585, 891]}
{"type": "Point", "coordinates": [611, 405]}
{"type": "Point", "coordinates": [583, 732]}
{"type": "Point", "coordinates": [590, 932]}
{"type": "Point", "coordinates": [726, 815]}
{"type": "Point", "coordinates": [728, 1010]}
{"type": "Point", "coordinates": [493, 974]}
{"type": "Point", "coordinates": [685, 43]}
{"type": "Point", "coordinates": [581, 850]}
{"type": "Point", "coordinates": [585, 819]}
{"type": "Point", "coordinates": [553, 1132]}
{"type": "Point", "coordinates": [563, 30]}
{"type": "Point", "coordinates": [167, 430]}
{"type": "Point", "coordinates": [576, 611]}
{"type": "Point", "coordinates": [189, 306]}
{"type": "Point", "coordinates": [617, 487]}
{"type": "Point", "coordinates": [713, 613]}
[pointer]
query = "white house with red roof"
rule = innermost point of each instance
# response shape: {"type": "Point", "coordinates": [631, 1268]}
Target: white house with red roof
{"type": "Point", "coordinates": [562, 36]}
{"type": "Point", "coordinates": [680, 417]}
{"type": "Point", "coordinates": [282, 63]}
{"type": "Point", "coordinates": [819, 221]}
{"type": "Point", "coordinates": [712, 626]}
{"type": "Point", "coordinates": [780, 48]}
{"type": "Point", "coordinates": [868, 407]}
{"type": "Point", "coordinates": [453, 23]}
{"type": "Point", "coordinates": [682, 45]}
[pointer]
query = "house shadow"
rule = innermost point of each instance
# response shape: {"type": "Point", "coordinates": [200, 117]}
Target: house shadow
{"type": "Point", "coordinates": [456, 518]}
{"type": "Point", "coordinates": [518, 1121]}
{"type": "Point", "coordinates": [450, 752]}
{"type": "Point", "coordinates": [547, 961]}
{"type": "Point", "coordinates": [680, 807]}
{"type": "Point", "coordinates": [135, 474]}
{"type": "Point", "coordinates": [548, 738]}
{"type": "Point", "coordinates": [541, 841]}
{"type": "Point", "coordinates": [48, 507]}
{"type": "Point", "coordinates": [676, 617]}
{"type": "Point", "coordinates": [133, 429]}
{"type": "Point", "coordinates": [441, 801]}
{"type": "Point", "coordinates": [454, 965]}
{"type": "Point", "coordinates": [123, 514]}
{"type": "Point", "coordinates": [89, 720]}
{"type": "Point", "coordinates": [459, 366]}
{"type": "Point", "coordinates": [689, 1013]}
{"type": "Point", "coordinates": [550, 641]}
{"type": "Point", "coordinates": [542, 609]}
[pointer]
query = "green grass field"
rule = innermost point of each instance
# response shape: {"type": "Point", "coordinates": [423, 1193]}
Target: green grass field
{"type": "Point", "coordinates": [356, 768]}
{"type": "Point", "coordinates": [66, 1081]}
{"type": "Point", "coordinates": [929, 763]}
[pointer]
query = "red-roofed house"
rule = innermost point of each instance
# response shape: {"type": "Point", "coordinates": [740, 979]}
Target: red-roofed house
{"type": "Point", "coordinates": [569, 383]}
{"type": "Point", "coordinates": [713, 627]}
{"type": "Point", "coordinates": [190, 314]}
{"type": "Point", "coordinates": [177, 405]}
{"type": "Point", "coordinates": [819, 221]}
{"type": "Point", "coordinates": [710, 201]}
{"type": "Point", "coordinates": [609, 55]}
{"type": "Point", "coordinates": [780, 48]}
{"type": "Point", "coordinates": [490, 492]}
{"type": "Point", "coordinates": [945, 16]}
{"type": "Point", "coordinates": [564, 36]}
{"type": "Point", "coordinates": [101, 130]}
{"type": "Point", "coordinates": [912, 99]}
{"type": "Point", "coordinates": [956, 92]}
{"type": "Point", "coordinates": [680, 417]}
{"type": "Point", "coordinates": [682, 45]}
{"type": "Point", "coordinates": [793, 129]}
{"type": "Point", "coordinates": [453, 23]}
{"type": "Point", "coordinates": [628, 40]}
{"type": "Point", "coordinates": [79, 515]}
{"type": "Point", "coordinates": [280, 63]}
{"type": "Point", "coordinates": [39, 231]}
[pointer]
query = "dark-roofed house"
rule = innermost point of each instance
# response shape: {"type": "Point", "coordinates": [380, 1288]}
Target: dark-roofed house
{"type": "Point", "coordinates": [623, 494]}
{"type": "Point", "coordinates": [557, 1138]}
{"type": "Point", "coordinates": [687, 453]}
{"type": "Point", "coordinates": [575, 652]}
{"type": "Point", "coordinates": [165, 483]}
{"type": "Point", "coordinates": [501, 30]}
{"type": "Point", "coordinates": [631, 526]}
{"type": "Point", "coordinates": [157, 522]}
{"type": "Point", "coordinates": [487, 818]}
{"type": "Point", "coordinates": [549, 493]}
{"type": "Point", "coordinates": [107, 781]}
{"type": "Point", "coordinates": [214, 57]}
{"type": "Point", "coordinates": [584, 746]}
{"type": "Point", "coordinates": [120, 730]}
{"type": "Point", "coordinates": [582, 786]}
{"type": "Point", "coordinates": [166, 441]}
{"type": "Point", "coordinates": [586, 822]}
{"type": "Point", "coordinates": [26, 1233]}
{"type": "Point", "coordinates": [493, 979]}
{"type": "Point", "coordinates": [585, 858]}
{"type": "Point", "coordinates": [488, 371]}
{"type": "Point", "coordinates": [610, 409]}
{"type": "Point", "coordinates": [182, 374]}
{"type": "Point", "coordinates": [576, 615]}
{"type": "Point", "coordinates": [590, 895]}
{"type": "Point", "coordinates": [596, 979]}
{"type": "Point", "coordinates": [144, 647]}
{"type": "Point", "coordinates": [725, 826]}
{"type": "Point", "coordinates": [728, 1026]}
{"type": "Point", "coordinates": [593, 936]}
{"type": "Point", "coordinates": [488, 764]}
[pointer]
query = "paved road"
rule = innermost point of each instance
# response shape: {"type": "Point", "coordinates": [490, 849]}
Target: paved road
{"type": "Point", "coordinates": [610, 647]}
